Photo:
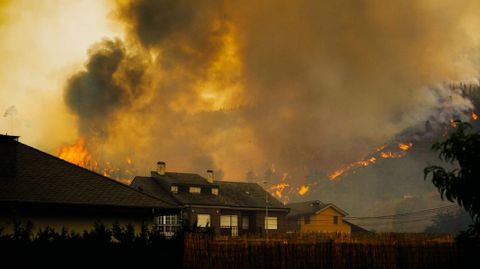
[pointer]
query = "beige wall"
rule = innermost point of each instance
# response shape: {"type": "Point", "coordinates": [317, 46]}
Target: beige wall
{"type": "Point", "coordinates": [323, 222]}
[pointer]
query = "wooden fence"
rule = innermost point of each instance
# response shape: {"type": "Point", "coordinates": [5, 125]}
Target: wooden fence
{"type": "Point", "coordinates": [369, 251]}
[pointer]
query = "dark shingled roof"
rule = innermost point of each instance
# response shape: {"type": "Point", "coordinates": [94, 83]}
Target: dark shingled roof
{"type": "Point", "coordinates": [355, 228]}
{"type": "Point", "coordinates": [309, 208]}
{"type": "Point", "coordinates": [184, 178]}
{"type": "Point", "coordinates": [305, 208]}
{"type": "Point", "coordinates": [42, 178]}
{"type": "Point", "coordinates": [231, 194]}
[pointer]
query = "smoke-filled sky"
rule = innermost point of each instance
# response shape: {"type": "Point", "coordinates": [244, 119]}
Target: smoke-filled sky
{"type": "Point", "coordinates": [237, 86]}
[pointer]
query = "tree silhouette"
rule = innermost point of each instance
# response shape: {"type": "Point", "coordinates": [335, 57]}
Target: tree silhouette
{"type": "Point", "coordinates": [460, 184]}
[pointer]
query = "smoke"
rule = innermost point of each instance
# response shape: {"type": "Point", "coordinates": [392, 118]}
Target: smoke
{"type": "Point", "coordinates": [299, 85]}
{"type": "Point", "coordinates": [112, 80]}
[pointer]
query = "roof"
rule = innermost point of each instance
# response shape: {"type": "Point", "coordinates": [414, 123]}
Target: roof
{"type": "Point", "coordinates": [182, 178]}
{"type": "Point", "coordinates": [311, 207]}
{"type": "Point", "coordinates": [231, 194]}
{"type": "Point", "coordinates": [39, 177]}
{"type": "Point", "coordinates": [355, 228]}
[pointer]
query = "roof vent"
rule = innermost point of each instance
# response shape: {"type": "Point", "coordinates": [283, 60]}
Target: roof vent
{"type": "Point", "coordinates": [161, 168]}
{"type": "Point", "coordinates": [210, 176]}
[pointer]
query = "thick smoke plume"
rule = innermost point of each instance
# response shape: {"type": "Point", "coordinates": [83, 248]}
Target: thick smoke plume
{"type": "Point", "coordinates": [286, 90]}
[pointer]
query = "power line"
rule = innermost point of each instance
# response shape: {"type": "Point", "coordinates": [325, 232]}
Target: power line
{"type": "Point", "coordinates": [407, 214]}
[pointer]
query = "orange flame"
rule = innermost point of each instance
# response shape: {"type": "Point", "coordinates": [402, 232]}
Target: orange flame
{"type": "Point", "coordinates": [365, 162]}
{"type": "Point", "coordinates": [474, 116]}
{"type": "Point", "coordinates": [277, 190]}
{"type": "Point", "coordinates": [405, 146]}
{"type": "Point", "coordinates": [453, 124]}
{"type": "Point", "coordinates": [379, 152]}
{"type": "Point", "coordinates": [76, 153]}
{"type": "Point", "coordinates": [303, 189]}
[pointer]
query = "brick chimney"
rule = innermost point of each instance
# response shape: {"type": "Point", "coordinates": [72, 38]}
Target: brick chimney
{"type": "Point", "coordinates": [210, 176]}
{"type": "Point", "coordinates": [161, 168]}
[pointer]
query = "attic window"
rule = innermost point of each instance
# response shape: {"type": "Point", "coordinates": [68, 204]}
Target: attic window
{"type": "Point", "coordinates": [194, 190]}
{"type": "Point", "coordinates": [215, 191]}
{"type": "Point", "coordinates": [174, 189]}
{"type": "Point", "coordinates": [335, 219]}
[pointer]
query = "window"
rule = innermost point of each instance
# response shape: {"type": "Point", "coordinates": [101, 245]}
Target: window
{"type": "Point", "coordinates": [168, 224]}
{"type": "Point", "coordinates": [194, 189]}
{"type": "Point", "coordinates": [271, 223]}
{"type": "Point", "coordinates": [203, 220]}
{"type": "Point", "coordinates": [307, 219]}
{"type": "Point", "coordinates": [215, 191]}
{"type": "Point", "coordinates": [335, 219]}
{"type": "Point", "coordinates": [174, 189]}
{"type": "Point", "coordinates": [229, 222]}
{"type": "Point", "coordinates": [245, 222]}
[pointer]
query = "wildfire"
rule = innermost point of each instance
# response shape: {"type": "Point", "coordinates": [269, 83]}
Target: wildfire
{"type": "Point", "coordinates": [76, 153]}
{"type": "Point", "coordinates": [474, 116]}
{"type": "Point", "coordinates": [405, 147]}
{"type": "Point", "coordinates": [378, 152]}
{"type": "Point", "coordinates": [364, 162]}
{"type": "Point", "coordinates": [303, 189]}
{"type": "Point", "coordinates": [277, 190]}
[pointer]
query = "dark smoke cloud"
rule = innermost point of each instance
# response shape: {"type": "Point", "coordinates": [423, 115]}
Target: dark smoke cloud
{"type": "Point", "coordinates": [111, 81]}
{"type": "Point", "coordinates": [314, 84]}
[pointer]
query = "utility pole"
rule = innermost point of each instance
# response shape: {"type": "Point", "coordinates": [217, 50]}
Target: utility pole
{"type": "Point", "coordinates": [266, 209]}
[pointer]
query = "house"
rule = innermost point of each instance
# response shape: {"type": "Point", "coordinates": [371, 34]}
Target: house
{"type": "Point", "coordinates": [38, 187]}
{"type": "Point", "coordinates": [315, 216]}
{"type": "Point", "coordinates": [230, 208]}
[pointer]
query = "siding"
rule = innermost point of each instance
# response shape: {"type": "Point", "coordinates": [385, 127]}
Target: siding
{"type": "Point", "coordinates": [323, 222]}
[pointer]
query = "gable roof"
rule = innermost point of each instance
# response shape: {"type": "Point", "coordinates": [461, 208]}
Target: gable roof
{"type": "Point", "coordinates": [355, 228]}
{"type": "Point", "coordinates": [182, 178]}
{"type": "Point", "coordinates": [231, 194]}
{"type": "Point", "coordinates": [39, 177]}
{"type": "Point", "coordinates": [311, 208]}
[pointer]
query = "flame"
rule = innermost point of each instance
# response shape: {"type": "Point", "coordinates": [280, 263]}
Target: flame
{"type": "Point", "coordinates": [277, 190]}
{"type": "Point", "coordinates": [405, 147]}
{"type": "Point", "coordinates": [76, 153]}
{"type": "Point", "coordinates": [474, 116]}
{"type": "Point", "coordinates": [303, 189]}
{"type": "Point", "coordinates": [453, 124]}
{"type": "Point", "coordinates": [339, 172]}
{"type": "Point", "coordinates": [390, 155]}
{"type": "Point", "coordinates": [378, 152]}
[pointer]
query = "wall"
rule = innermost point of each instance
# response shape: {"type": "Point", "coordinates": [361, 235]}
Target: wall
{"type": "Point", "coordinates": [323, 222]}
{"type": "Point", "coordinates": [256, 218]}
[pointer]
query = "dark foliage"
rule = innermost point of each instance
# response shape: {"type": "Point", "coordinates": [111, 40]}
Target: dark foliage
{"type": "Point", "coordinates": [116, 245]}
{"type": "Point", "coordinates": [450, 222]}
{"type": "Point", "coordinates": [461, 184]}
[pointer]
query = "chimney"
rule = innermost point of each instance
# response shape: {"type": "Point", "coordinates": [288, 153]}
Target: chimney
{"type": "Point", "coordinates": [210, 176]}
{"type": "Point", "coordinates": [161, 167]}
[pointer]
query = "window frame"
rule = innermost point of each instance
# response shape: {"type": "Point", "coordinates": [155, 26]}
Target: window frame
{"type": "Point", "coordinates": [191, 188]}
{"type": "Point", "coordinates": [208, 223]}
{"type": "Point", "coordinates": [174, 189]}
{"type": "Point", "coordinates": [270, 223]}
{"type": "Point", "coordinates": [215, 191]}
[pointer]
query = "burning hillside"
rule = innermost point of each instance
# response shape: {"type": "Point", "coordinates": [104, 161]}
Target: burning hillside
{"type": "Point", "coordinates": [78, 154]}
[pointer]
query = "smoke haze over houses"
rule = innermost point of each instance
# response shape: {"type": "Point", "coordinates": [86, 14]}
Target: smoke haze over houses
{"type": "Point", "coordinates": [283, 90]}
